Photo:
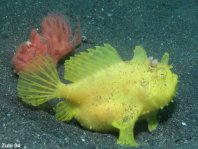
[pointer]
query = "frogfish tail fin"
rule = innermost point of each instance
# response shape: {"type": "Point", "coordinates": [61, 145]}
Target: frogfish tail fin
{"type": "Point", "coordinates": [39, 81]}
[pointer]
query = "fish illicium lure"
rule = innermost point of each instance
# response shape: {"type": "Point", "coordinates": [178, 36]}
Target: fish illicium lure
{"type": "Point", "coordinates": [105, 93]}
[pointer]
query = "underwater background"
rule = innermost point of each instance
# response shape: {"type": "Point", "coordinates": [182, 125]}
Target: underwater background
{"type": "Point", "coordinates": [158, 25]}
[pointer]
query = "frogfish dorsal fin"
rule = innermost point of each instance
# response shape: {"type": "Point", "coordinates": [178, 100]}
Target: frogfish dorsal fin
{"type": "Point", "coordinates": [140, 55]}
{"type": "Point", "coordinates": [165, 59]}
{"type": "Point", "coordinates": [88, 63]}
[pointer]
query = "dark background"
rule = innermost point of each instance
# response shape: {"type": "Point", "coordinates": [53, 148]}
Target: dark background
{"type": "Point", "coordinates": [159, 26]}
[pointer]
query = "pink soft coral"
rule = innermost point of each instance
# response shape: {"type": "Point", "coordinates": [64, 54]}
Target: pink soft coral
{"type": "Point", "coordinates": [56, 39]}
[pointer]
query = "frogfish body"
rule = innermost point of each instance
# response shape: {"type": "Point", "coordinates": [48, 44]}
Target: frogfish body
{"type": "Point", "coordinates": [105, 93]}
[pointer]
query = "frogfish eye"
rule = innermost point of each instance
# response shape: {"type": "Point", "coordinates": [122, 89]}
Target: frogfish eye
{"type": "Point", "coordinates": [162, 73]}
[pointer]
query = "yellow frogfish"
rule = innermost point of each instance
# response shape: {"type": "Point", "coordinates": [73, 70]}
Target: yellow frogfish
{"type": "Point", "coordinates": [105, 93]}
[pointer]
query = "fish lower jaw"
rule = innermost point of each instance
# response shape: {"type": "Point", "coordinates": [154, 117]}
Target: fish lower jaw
{"type": "Point", "coordinates": [162, 104]}
{"type": "Point", "coordinates": [153, 107]}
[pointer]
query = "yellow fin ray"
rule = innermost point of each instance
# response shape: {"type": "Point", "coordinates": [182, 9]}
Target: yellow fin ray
{"type": "Point", "coordinates": [140, 55]}
{"type": "Point", "coordinates": [39, 81]}
{"type": "Point", "coordinates": [64, 111]}
{"type": "Point", "coordinates": [87, 63]}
